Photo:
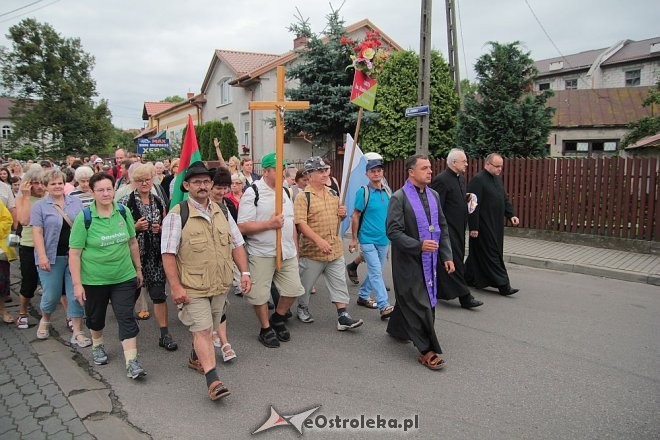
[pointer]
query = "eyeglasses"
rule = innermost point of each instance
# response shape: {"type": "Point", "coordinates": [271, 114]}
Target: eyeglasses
{"type": "Point", "coordinates": [200, 182]}
{"type": "Point", "coordinates": [143, 181]}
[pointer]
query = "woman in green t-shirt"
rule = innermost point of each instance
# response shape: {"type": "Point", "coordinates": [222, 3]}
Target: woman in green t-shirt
{"type": "Point", "coordinates": [105, 267]}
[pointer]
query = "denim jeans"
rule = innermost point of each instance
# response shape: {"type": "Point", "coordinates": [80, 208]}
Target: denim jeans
{"type": "Point", "coordinates": [375, 256]}
{"type": "Point", "coordinates": [52, 282]}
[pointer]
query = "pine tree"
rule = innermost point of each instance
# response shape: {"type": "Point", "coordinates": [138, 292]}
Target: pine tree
{"type": "Point", "coordinates": [505, 116]}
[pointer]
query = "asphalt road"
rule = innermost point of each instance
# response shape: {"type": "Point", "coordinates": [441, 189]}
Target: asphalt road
{"type": "Point", "coordinates": [570, 356]}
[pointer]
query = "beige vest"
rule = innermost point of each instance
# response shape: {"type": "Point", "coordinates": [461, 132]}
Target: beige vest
{"type": "Point", "coordinates": [204, 261]}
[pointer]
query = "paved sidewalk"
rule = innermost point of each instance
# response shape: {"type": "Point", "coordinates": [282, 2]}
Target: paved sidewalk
{"type": "Point", "coordinates": [588, 260]}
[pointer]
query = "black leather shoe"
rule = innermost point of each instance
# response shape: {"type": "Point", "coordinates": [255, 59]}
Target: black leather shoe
{"type": "Point", "coordinates": [471, 303]}
{"type": "Point", "coordinates": [507, 290]}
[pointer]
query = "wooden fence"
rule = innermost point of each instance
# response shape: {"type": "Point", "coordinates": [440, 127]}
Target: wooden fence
{"type": "Point", "coordinates": [612, 197]}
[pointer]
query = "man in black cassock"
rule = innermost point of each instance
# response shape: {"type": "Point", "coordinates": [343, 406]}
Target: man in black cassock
{"type": "Point", "coordinates": [450, 186]}
{"type": "Point", "coordinates": [485, 263]}
{"type": "Point", "coordinates": [418, 232]}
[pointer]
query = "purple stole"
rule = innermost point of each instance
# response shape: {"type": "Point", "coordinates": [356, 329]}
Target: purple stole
{"type": "Point", "coordinates": [426, 232]}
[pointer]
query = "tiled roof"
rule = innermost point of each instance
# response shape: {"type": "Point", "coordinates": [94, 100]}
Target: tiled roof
{"type": "Point", "coordinates": [599, 107]}
{"type": "Point", "coordinates": [151, 108]}
{"type": "Point", "coordinates": [5, 107]}
{"type": "Point", "coordinates": [648, 141]}
{"type": "Point", "coordinates": [145, 131]}
{"type": "Point", "coordinates": [635, 50]}
{"type": "Point", "coordinates": [244, 62]}
{"type": "Point", "coordinates": [577, 61]}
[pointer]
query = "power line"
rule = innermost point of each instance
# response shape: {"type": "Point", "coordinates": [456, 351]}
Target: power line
{"type": "Point", "coordinates": [29, 12]}
{"type": "Point", "coordinates": [22, 7]}
{"type": "Point", "coordinates": [460, 27]}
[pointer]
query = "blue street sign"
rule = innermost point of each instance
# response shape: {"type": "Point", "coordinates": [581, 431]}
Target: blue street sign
{"type": "Point", "coordinates": [420, 110]}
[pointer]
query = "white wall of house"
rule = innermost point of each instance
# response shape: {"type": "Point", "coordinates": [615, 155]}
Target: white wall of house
{"type": "Point", "coordinates": [615, 76]}
{"type": "Point", "coordinates": [593, 137]}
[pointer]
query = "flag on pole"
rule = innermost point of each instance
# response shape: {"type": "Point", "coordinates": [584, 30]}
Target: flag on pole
{"type": "Point", "coordinates": [358, 178]}
{"type": "Point", "coordinates": [189, 154]}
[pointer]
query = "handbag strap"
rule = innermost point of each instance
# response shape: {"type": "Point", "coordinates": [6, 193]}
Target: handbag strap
{"type": "Point", "coordinates": [63, 214]}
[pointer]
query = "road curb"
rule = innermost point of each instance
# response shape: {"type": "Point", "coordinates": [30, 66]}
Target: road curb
{"type": "Point", "coordinates": [585, 269]}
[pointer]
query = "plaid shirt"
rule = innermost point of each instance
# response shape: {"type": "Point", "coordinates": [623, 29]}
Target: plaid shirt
{"type": "Point", "coordinates": [321, 216]}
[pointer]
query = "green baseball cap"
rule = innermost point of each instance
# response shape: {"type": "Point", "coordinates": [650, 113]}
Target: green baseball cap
{"type": "Point", "coordinates": [268, 161]}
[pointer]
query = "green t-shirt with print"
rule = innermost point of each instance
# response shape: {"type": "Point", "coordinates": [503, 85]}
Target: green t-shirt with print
{"type": "Point", "coordinates": [106, 256]}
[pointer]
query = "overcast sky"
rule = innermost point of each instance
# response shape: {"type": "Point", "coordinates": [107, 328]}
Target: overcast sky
{"type": "Point", "coordinates": [146, 50]}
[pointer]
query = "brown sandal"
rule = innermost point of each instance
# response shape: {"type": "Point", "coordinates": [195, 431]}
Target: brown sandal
{"type": "Point", "coordinates": [386, 312]}
{"type": "Point", "coordinates": [432, 361]}
{"type": "Point", "coordinates": [368, 303]}
{"type": "Point", "coordinates": [218, 390]}
{"type": "Point", "coordinates": [195, 365]}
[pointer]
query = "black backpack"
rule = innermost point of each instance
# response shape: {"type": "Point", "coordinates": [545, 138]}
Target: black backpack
{"type": "Point", "coordinates": [184, 212]}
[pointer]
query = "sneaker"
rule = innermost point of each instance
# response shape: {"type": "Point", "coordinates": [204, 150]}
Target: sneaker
{"type": "Point", "coordinates": [99, 355]}
{"type": "Point", "coordinates": [22, 322]}
{"type": "Point", "coordinates": [281, 331]}
{"type": "Point", "coordinates": [134, 369]}
{"type": "Point", "coordinates": [304, 315]}
{"type": "Point", "coordinates": [167, 342]}
{"type": "Point", "coordinates": [345, 322]}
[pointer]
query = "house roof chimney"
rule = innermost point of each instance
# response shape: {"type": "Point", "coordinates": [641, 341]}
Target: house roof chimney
{"type": "Point", "coordinates": [300, 42]}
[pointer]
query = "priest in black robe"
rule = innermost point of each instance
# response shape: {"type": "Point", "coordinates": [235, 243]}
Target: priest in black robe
{"type": "Point", "coordinates": [418, 232]}
{"type": "Point", "coordinates": [485, 263]}
{"type": "Point", "coordinates": [450, 186]}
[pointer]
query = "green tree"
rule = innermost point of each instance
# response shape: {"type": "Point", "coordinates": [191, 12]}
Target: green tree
{"type": "Point", "coordinates": [25, 153]}
{"type": "Point", "coordinates": [119, 139]}
{"type": "Point", "coordinates": [228, 141]}
{"type": "Point", "coordinates": [647, 126]}
{"type": "Point", "coordinates": [391, 133]}
{"type": "Point", "coordinates": [323, 81]}
{"type": "Point", "coordinates": [214, 130]}
{"type": "Point", "coordinates": [50, 78]}
{"type": "Point", "coordinates": [202, 140]}
{"type": "Point", "coordinates": [505, 117]}
{"type": "Point", "coordinates": [173, 98]}
{"type": "Point", "coordinates": [468, 87]}
{"type": "Point", "coordinates": [155, 155]}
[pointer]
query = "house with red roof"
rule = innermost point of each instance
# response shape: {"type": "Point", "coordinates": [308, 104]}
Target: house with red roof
{"type": "Point", "coordinates": [234, 78]}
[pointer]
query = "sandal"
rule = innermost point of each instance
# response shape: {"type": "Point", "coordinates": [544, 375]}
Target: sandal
{"type": "Point", "coordinates": [386, 312]}
{"type": "Point", "coordinates": [143, 314]}
{"type": "Point", "coordinates": [216, 340]}
{"type": "Point", "coordinates": [195, 365]}
{"type": "Point", "coordinates": [79, 339]}
{"type": "Point", "coordinates": [432, 361]}
{"type": "Point", "coordinates": [22, 322]}
{"type": "Point", "coordinates": [43, 333]}
{"type": "Point", "coordinates": [7, 318]}
{"type": "Point", "coordinates": [352, 274]}
{"type": "Point", "coordinates": [69, 324]}
{"type": "Point", "coordinates": [218, 390]}
{"type": "Point", "coordinates": [368, 303]}
{"type": "Point", "coordinates": [228, 353]}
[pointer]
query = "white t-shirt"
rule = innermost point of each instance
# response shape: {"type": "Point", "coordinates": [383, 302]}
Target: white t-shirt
{"type": "Point", "coordinates": [262, 244]}
{"type": "Point", "coordinates": [7, 196]}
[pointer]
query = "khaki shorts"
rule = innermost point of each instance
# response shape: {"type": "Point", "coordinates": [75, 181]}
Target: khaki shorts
{"type": "Point", "coordinates": [287, 280]}
{"type": "Point", "coordinates": [201, 313]}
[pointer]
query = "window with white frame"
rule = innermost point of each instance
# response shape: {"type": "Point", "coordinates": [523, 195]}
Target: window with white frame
{"type": "Point", "coordinates": [245, 129]}
{"type": "Point", "coordinates": [571, 84]}
{"type": "Point", "coordinates": [6, 131]}
{"type": "Point", "coordinates": [633, 77]}
{"type": "Point", "coordinates": [224, 90]}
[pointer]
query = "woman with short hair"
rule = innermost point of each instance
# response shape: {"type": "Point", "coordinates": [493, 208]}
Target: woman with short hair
{"type": "Point", "coordinates": [104, 236]}
{"type": "Point", "coordinates": [82, 176]}
{"type": "Point", "coordinates": [51, 220]}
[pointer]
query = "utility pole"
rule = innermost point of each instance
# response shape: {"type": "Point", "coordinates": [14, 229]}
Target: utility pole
{"type": "Point", "coordinates": [424, 88]}
{"type": "Point", "coordinates": [452, 50]}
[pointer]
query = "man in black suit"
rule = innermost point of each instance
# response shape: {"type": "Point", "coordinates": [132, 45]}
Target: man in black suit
{"type": "Point", "coordinates": [450, 185]}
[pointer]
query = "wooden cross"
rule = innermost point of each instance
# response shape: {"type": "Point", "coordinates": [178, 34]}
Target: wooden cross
{"type": "Point", "coordinates": [279, 106]}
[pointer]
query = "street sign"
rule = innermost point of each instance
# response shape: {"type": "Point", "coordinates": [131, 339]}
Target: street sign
{"type": "Point", "coordinates": [420, 110]}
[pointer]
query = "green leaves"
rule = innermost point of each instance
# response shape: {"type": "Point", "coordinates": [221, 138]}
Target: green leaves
{"type": "Point", "coordinates": [50, 78]}
{"type": "Point", "coordinates": [393, 135]}
{"type": "Point", "coordinates": [505, 117]}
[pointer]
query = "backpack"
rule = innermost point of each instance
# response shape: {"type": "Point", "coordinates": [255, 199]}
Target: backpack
{"type": "Point", "coordinates": [87, 214]}
{"type": "Point", "coordinates": [256, 193]}
{"type": "Point", "coordinates": [184, 212]}
{"type": "Point", "coordinates": [309, 197]}
{"type": "Point", "coordinates": [367, 193]}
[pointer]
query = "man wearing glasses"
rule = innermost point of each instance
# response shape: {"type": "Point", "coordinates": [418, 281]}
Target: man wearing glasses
{"type": "Point", "coordinates": [198, 244]}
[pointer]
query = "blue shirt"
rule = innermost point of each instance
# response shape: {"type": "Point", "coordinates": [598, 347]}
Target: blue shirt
{"type": "Point", "coordinates": [45, 216]}
{"type": "Point", "coordinates": [372, 230]}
